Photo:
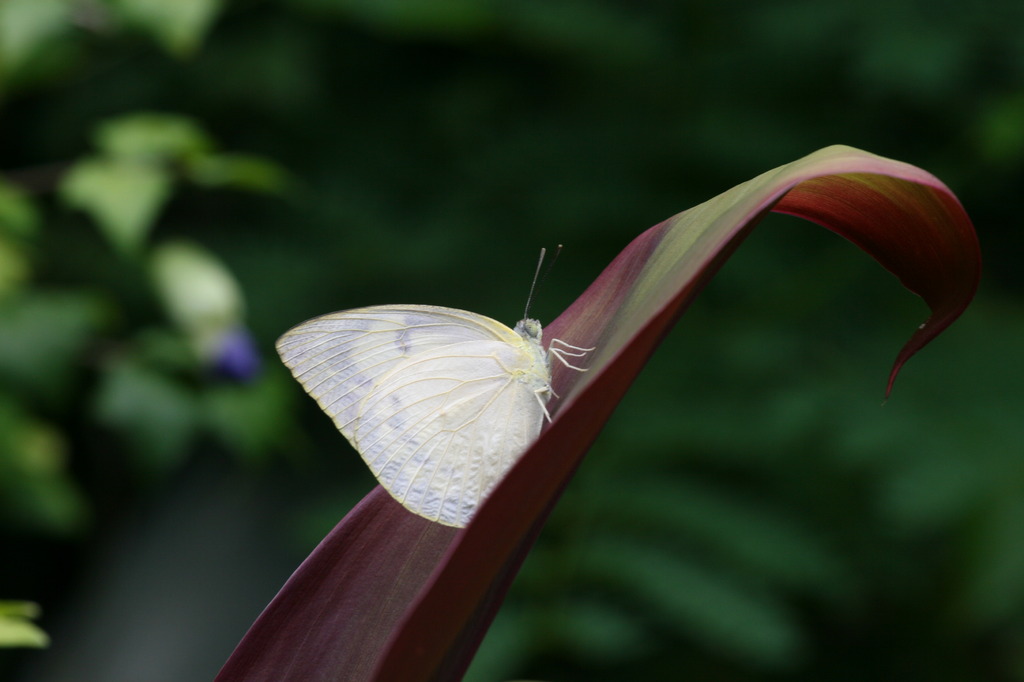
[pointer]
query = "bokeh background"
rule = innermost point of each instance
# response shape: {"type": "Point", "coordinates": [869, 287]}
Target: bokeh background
{"type": "Point", "coordinates": [182, 181]}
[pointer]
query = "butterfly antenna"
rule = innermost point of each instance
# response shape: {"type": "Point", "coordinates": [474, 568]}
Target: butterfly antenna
{"type": "Point", "coordinates": [538, 279]}
{"type": "Point", "coordinates": [551, 265]}
{"type": "Point", "coordinates": [533, 284]}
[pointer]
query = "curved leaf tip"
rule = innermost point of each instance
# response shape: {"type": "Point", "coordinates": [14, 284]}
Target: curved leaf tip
{"type": "Point", "coordinates": [912, 224]}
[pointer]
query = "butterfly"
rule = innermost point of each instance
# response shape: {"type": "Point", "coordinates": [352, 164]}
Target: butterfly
{"type": "Point", "coordinates": [439, 402]}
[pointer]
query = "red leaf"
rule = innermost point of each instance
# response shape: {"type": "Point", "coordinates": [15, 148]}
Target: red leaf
{"type": "Point", "coordinates": [334, 615]}
{"type": "Point", "coordinates": [390, 590]}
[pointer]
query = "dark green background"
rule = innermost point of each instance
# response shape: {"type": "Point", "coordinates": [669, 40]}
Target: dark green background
{"type": "Point", "coordinates": [752, 512]}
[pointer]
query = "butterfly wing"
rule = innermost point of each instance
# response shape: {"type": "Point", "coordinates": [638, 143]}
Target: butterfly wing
{"type": "Point", "coordinates": [438, 402]}
{"type": "Point", "coordinates": [338, 358]}
{"type": "Point", "coordinates": [441, 429]}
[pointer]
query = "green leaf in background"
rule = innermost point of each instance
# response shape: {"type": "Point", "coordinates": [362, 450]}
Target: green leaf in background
{"type": "Point", "coordinates": [738, 531]}
{"type": "Point", "coordinates": [250, 419]}
{"type": "Point", "coordinates": [599, 632]}
{"type": "Point", "coordinates": [18, 215]}
{"type": "Point", "coordinates": [595, 630]}
{"type": "Point", "coordinates": [698, 601]}
{"type": "Point", "coordinates": [180, 26]}
{"type": "Point", "coordinates": [26, 26]}
{"type": "Point", "coordinates": [18, 221]}
{"type": "Point", "coordinates": [200, 294]}
{"type": "Point", "coordinates": [994, 571]}
{"type": "Point", "coordinates": [239, 171]}
{"type": "Point", "coordinates": [124, 187]}
{"type": "Point", "coordinates": [37, 492]}
{"type": "Point", "coordinates": [45, 336]}
{"type": "Point", "coordinates": [14, 267]}
{"type": "Point", "coordinates": [156, 415]}
{"type": "Point", "coordinates": [123, 196]}
{"type": "Point", "coordinates": [149, 135]}
{"type": "Point", "coordinates": [999, 132]}
{"type": "Point", "coordinates": [17, 628]}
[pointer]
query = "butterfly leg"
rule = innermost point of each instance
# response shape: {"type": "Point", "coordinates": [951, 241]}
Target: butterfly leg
{"type": "Point", "coordinates": [572, 347]}
{"type": "Point", "coordinates": [567, 349]}
{"type": "Point", "coordinates": [543, 404]}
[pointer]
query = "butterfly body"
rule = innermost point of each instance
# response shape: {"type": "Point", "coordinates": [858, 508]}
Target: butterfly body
{"type": "Point", "coordinates": [438, 402]}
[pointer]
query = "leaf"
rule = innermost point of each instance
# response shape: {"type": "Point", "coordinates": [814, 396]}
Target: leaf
{"type": "Point", "coordinates": [123, 196]}
{"type": "Point", "coordinates": [748, 534]}
{"type": "Point", "coordinates": [17, 628]}
{"type": "Point", "coordinates": [348, 607]}
{"type": "Point", "coordinates": [26, 26]}
{"type": "Point", "coordinates": [999, 136]}
{"type": "Point", "coordinates": [152, 136]}
{"type": "Point", "coordinates": [993, 580]}
{"type": "Point", "coordinates": [421, 618]}
{"type": "Point", "coordinates": [14, 267]}
{"type": "Point", "coordinates": [180, 26]}
{"type": "Point", "coordinates": [155, 414]}
{"type": "Point", "coordinates": [698, 601]}
{"type": "Point", "coordinates": [596, 631]}
{"type": "Point", "coordinates": [241, 171]}
{"type": "Point", "coordinates": [37, 492]}
{"type": "Point", "coordinates": [19, 221]}
{"type": "Point", "coordinates": [18, 215]}
{"type": "Point", "coordinates": [199, 292]}
{"type": "Point", "coordinates": [33, 459]}
{"type": "Point", "coordinates": [249, 419]}
{"type": "Point", "coordinates": [43, 339]}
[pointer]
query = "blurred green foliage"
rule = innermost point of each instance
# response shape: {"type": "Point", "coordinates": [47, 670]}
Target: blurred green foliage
{"type": "Point", "coordinates": [750, 513]}
{"type": "Point", "coordinates": [16, 627]}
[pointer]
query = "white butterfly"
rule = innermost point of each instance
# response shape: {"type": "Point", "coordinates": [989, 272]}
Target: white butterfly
{"type": "Point", "coordinates": [439, 402]}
